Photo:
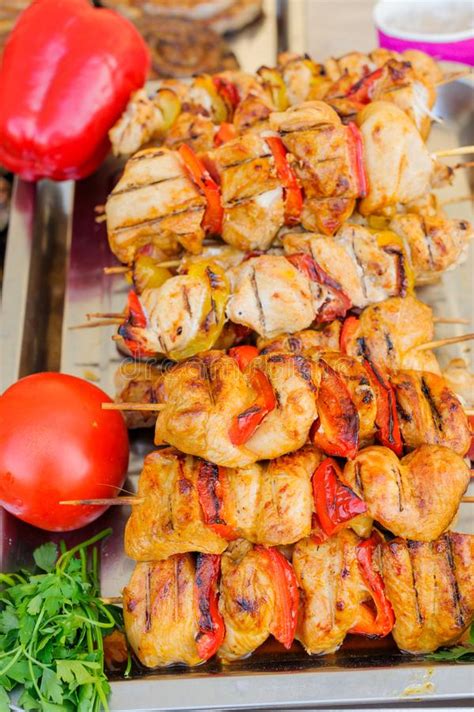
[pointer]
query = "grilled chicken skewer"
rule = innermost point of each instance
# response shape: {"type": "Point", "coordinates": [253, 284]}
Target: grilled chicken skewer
{"type": "Point", "coordinates": [309, 168]}
{"type": "Point", "coordinates": [185, 504]}
{"type": "Point", "coordinates": [194, 113]}
{"type": "Point", "coordinates": [426, 591]}
{"type": "Point", "coordinates": [184, 610]}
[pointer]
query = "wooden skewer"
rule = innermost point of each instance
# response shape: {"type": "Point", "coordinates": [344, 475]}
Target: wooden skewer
{"type": "Point", "coordinates": [443, 342]}
{"type": "Point", "coordinates": [453, 76]}
{"type": "Point", "coordinates": [107, 501]}
{"type": "Point", "coordinates": [106, 315]}
{"type": "Point", "coordinates": [112, 600]}
{"type": "Point", "coordinates": [469, 411]}
{"type": "Point", "coordinates": [448, 320]}
{"type": "Point", "coordinates": [122, 269]}
{"type": "Point", "coordinates": [459, 151]}
{"type": "Point", "coordinates": [169, 263]}
{"type": "Point", "coordinates": [134, 406]}
{"type": "Point", "coordinates": [94, 324]}
{"type": "Point", "coordinates": [467, 500]}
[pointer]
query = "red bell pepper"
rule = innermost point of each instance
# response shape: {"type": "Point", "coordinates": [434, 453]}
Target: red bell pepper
{"type": "Point", "coordinates": [285, 585]}
{"type": "Point", "coordinates": [470, 454]}
{"type": "Point", "coordinates": [211, 623]}
{"type": "Point", "coordinates": [287, 176]}
{"type": "Point", "coordinates": [227, 90]}
{"type": "Point", "coordinates": [244, 355]}
{"type": "Point", "coordinates": [356, 151]}
{"type": "Point", "coordinates": [380, 623]}
{"type": "Point", "coordinates": [340, 304]}
{"type": "Point", "coordinates": [244, 425]}
{"type": "Point", "coordinates": [362, 90]}
{"type": "Point", "coordinates": [212, 221]}
{"type": "Point", "coordinates": [387, 418]}
{"type": "Point", "coordinates": [66, 76]}
{"type": "Point", "coordinates": [348, 331]}
{"type": "Point", "coordinates": [212, 487]}
{"type": "Point", "coordinates": [336, 431]}
{"type": "Point", "coordinates": [335, 503]}
{"type": "Point", "coordinates": [135, 318]}
{"type": "Point", "coordinates": [226, 132]}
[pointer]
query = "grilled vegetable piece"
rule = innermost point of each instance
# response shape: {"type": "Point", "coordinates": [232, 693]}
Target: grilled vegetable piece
{"type": "Point", "coordinates": [160, 612]}
{"type": "Point", "coordinates": [430, 586]}
{"type": "Point", "coordinates": [416, 497]}
{"type": "Point", "coordinates": [258, 597]}
{"type": "Point", "coordinates": [333, 591]}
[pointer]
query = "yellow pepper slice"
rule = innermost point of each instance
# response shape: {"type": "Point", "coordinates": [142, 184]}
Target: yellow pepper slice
{"type": "Point", "coordinates": [170, 106]}
{"type": "Point", "coordinates": [220, 111]}
{"type": "Point", "coordinates": [147, 274]}
{"type": "Point", "coordinates": [213, 315]}
{"type": "Point", "coordinates": [273, 82]}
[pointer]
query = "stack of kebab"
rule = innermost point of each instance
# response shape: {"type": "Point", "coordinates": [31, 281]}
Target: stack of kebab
{"type": "Point", "coordinates": [235, 411]}
{"type": "Point", "coordinates": [212, 109]}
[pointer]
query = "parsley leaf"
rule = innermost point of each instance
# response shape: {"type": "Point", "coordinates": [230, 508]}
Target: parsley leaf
{"type": "Point", "coordinates": [45, 556]}
{"type": "Point", "coordinates": [463, 653]}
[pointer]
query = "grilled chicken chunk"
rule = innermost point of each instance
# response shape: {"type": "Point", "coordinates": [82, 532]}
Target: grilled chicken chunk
{"type": "Point", "coordinates": [332, 590]}
{"type": "Point", "coordinates": [170, 519]}
{"type": "Point", "coordinates": [435, 243]}
{"type": "Point", "coordinates": [269, 504]}
{"type": "Point", "coordinates": [204, 395]}
{"type": "Point", "coordinates": [306, 343]}
{"type": "Point", "coordinates": [416, 497]}
{"type": "Point", "coordinates": [383, 337]}
{"type": "Point", "coordinates": [427, 408]}
{"type": "Point", "coordinates": [160, 613]}
{"type": "Point", "coordinates": [247, 600]}
{"type": "Point", "coordinates": [430, 586]}
{"type": "Point", "coordinates": [387, 131]}
{"type": "Point", "coordinates": [313, 133]}
{"type": "Point", "coordinates": [460, 379]}
{"type": "Point", "coordinates": [139, 214]}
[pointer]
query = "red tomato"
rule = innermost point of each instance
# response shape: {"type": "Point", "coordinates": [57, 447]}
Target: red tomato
{"type": "Point", "coordinates": [56, 443]}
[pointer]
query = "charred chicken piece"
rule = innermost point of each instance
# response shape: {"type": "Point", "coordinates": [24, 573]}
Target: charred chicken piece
{"type": "Point", "coordinates": [430, 586]}
{"type": "Point", "coordinates": [428, 409]}
{"type": "Point", "coordinates": [306, 342]}
{"type": "Point", "coordinates": [137, 382]}
{"type": "Point", "coordinates": [160, 612]}
{"type": "Point", "coordinates": [258, 597]}
{"type": "Point", "coordinates": [154, 202]}
{"type": "Point", "coordinates": [383, 337]}
{"type": "Point", "coordinates": [416, 497]}
{"type": "Point", "coordinates": [192, 505]}
{"type": "Point", "coordinates": [323, 161]}
{"type": "Point", "coordinates": [341, 591]}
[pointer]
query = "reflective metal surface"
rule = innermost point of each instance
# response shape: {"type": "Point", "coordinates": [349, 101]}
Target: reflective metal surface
{"type": "Point", "coordinates": [362, 670]}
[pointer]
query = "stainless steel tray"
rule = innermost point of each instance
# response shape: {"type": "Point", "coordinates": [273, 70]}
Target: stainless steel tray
{"type": "Point", "coordinates": [53, 276]}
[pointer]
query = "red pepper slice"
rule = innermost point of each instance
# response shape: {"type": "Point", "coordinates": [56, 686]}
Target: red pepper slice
{"type": "Point", "coordinates": [212, 221]}
{"type": "Point", "coordinates": [211, 623]}
{"type": "Point", "coordinates": [226, 132]}
{"type": "Point", "coordinates": [227, 90]}
{"type": "Point", "coordinates": [287, 176]}
{"type": "Point", "coordinates": [244, 425]}
{"type": "Point", "coordinates": [212, 487]}
{"type": "Point", "coordinates": [285, 618]}
{"type": "Point", "coordinates": [362, 90]}
{"type": "Point", "coordinates": [307, 264]}
{"type": "Point", "coordinates": [470, 454]}
{"type": "Point", "coordinates": [244, 355]}
{"type": "Point", "coordinates": [348, 331]}
{"type": "Point", "coordinates": [335, 502]}
{"type": "Point", "coordinates": [136, 318]}
{"type": "Point", "coordinates": [356, 150]}
{"type": "Point", "coordinates": [387, 418]}
{"type": "Point", "coordinates": [381, 623]}
{"type": "Point", "coordinates": [336, 431]}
